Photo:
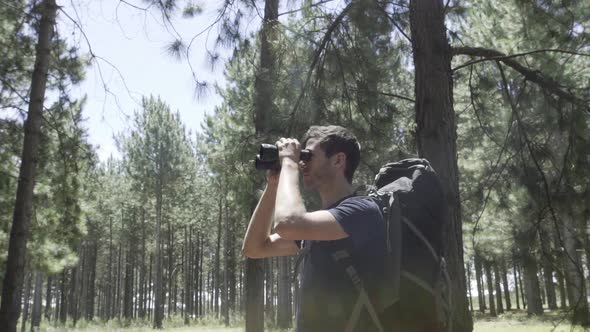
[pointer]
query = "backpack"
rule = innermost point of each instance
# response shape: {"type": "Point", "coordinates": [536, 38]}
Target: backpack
{"type": "Point", "coordinates": [411, 198]}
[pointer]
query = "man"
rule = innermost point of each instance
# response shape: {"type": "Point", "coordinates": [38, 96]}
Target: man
{"type": "Point", "coordinates": [352, 223]}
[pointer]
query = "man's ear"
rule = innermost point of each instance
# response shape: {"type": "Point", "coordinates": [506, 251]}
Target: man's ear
{"type": "Point", "coordinates": [340, 160]}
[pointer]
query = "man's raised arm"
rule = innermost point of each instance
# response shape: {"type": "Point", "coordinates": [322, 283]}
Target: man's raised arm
{"type": "Point", "coordinates": [258, 241]}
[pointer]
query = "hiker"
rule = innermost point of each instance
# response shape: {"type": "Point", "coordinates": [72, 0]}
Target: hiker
{"type": "Point", "coordinates": [343, 244]}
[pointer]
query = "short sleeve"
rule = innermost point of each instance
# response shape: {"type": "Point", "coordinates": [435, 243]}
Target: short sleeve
{"type": "Point", "coordinates": [359, 217]}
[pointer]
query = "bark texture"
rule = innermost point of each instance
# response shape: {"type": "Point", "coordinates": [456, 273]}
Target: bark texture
{"type": "Point", "coordinates": [436, 134]}
{"type": "Point", "coordinates": [23, 208]}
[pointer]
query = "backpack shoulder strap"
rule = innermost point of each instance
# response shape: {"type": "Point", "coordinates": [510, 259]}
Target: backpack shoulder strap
{"type": "Point", "coordinates": [363, 300]}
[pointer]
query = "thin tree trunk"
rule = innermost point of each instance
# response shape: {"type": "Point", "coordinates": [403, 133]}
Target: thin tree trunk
{"type": "Point", "coordinates": [284, 294]}
{"type": "Point", "coordinates": [562, 291]}
{"type": "Point", "coordinates": [574, 273]}
{"type": "Point", "coordinates": [186, 269]}
{"type": "Point", "coordinates": [232, 267]}
{"type": "Point", "coordinates": [499, 305]}
{"type": "Point", "coordinates": [468, 282]}
{"type": "Point", "coordinates": [27, 297]}
{"type": "Point", "coordinates": [150, 294]}
{"type": "Point", "coordinates": [90, 293]}
{"type": "Point", "coordinates": [268, 285]}
{"type": "Point", "coordinates": [228, 264]}
{"type": "Point", "coordinates": [201, 276]}
{"type": "Point", "coordinates": [171, 273]}
{"type": "Point", "coordinates": [37, 299]}
{"type": "Point", "coordinates": [119, 282]}
{"type": "Point", "coordinates": [522, 290]}
{"type": "Point", "coordinates": [142, 276]}
{"type": "Point", "coordinates": [63, 313]}
{"type": "Point", "coordinates": [216, 273]}
{"type": "Point", "coordinates": [128, 287]}
{"type": "Point", "coordinates": [488, 270]}
{"type": "Point", "coordinates": [505, 284]}
{"type": "Point", "coordinates": [480, 287]}
{"type": "Point", "coordinates": [10, 304]}
{"type": "Point", "coordinates": [48, 299]}
{"type": "Point", "coordinates": [158, 305]}
{"type": "Point", "coordinates": [436, 135]}
{"type": "Point", "coordinates": [57, 303]}
{"type": "Point", "coordinates": [517, 285]}
{"type": "Point", "coordinates": [72, 296]}
{"type": "Point", "coordinates": [109, 286]}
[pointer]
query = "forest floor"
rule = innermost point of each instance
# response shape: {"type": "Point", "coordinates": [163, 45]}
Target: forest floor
{"type": "Point", "coordinates": [509, 322]}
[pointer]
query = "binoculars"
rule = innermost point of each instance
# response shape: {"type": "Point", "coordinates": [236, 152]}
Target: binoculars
{"type": "Point", "coordinates": [268, 157]}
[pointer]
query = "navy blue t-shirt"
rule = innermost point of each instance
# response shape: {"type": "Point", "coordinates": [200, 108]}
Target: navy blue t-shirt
{"type": "Point", "coordinates": [327, 294]}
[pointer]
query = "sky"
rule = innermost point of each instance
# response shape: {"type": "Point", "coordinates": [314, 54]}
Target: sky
{"type": "Point", "coordinates": [132, 61]}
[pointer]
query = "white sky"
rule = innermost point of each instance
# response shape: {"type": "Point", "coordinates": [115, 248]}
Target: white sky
{"type": "Point", "coordinates": [134, 42]}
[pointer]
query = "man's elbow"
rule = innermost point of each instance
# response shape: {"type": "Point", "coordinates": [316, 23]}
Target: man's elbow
{"type": "Point", "coordinates": [251, 252]}
{"type": "Point", "coordinates": [285, 227]}
{"type": "Point", "coordinates": [255, 251]}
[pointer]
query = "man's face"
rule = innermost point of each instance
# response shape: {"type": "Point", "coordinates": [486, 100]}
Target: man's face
{"type": "Point", "coordinates": [318, 169]}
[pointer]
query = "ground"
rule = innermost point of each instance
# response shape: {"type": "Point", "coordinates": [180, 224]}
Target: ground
{"type": "Point", "coordinates": [509, 322]}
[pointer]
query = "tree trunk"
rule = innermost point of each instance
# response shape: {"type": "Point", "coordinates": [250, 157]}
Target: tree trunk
{"type": "Point", "coordinates": [150, 295]}
{"type": "Point", "coordinates": [562, 291]}
{"type": "Point", "coordinates": [499, 305]}
{"type": "Point", "coordinates": [48, 299]}
{"type": "Point", "coordinates": [531, 284]}
{"type": "Point", "coordinates": [142, 276]}
{"type": "Point", "coordinates": [263, 110]}
{"type": "Point", "coordinates": [480, 287]}
{"type": "Point", "coordinates": [158, 303]}
{"type": "Point", "coordinates": [231, 255]}
{"type": "Point", "coordinates": [90, 294]}
{"type": "Point", "coordinates": [268, 283]}
{"type": "Point", "coordinates": [37, 298]}
{"type": "Point", "coordinates": [468, 282]}
{"type": "Point", "coordinates": [119, 282]}
{"type": "Point", "coordinates": [505, 284]}
{"type": "Point", "coordinates": [284, 294]}
{"type": "Point", "coordinates": [109, 285]}
{"type": "Point", "coordinates": [10, 304]}
{"type": "Point", "coordinates": [128, 291]}
{"type": "Point", "coordinates": [63, 305]}
{"type": "Point", "coordinates": [226, 268]}
{"type": "Point", "coordinates": [201, 276]}
{"type": "Point", "coordinates": [216, 272]}
{"type": "Point", "coordinates": [72, 305]}
{"type": "Point", "coordinates": [517, 285]}
{"type": "Point", "coordinates": [186, 253]}
{"type": "Point", "coordinates": [488, 270]}
{"type": "Point", "coordinates": [171, 273]}
{"type": "Point", "coordinates": [254, 295]}
{"type": "Point", "coordinates": [27, 296]}
{"type": "Point", "coordinates": [436, 135]}
{"type": "Point", "coordinates": [573, 272]}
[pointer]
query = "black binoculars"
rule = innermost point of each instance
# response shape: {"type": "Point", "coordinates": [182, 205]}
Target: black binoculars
{"type": "Point", "coordinates": [268, 158]}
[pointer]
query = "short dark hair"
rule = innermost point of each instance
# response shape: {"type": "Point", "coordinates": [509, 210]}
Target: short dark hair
{"type": "Point", "coordinates": [336, 139]}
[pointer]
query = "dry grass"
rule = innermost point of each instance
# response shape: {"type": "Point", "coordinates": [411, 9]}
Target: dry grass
{"type": "Point", "coordinates": [510, 322]}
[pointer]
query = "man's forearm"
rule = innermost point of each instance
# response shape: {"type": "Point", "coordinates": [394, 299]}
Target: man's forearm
{"type": "Point", "coordinates": [289, 202]}
{"type": "Point", "coordinates": [260, 224]}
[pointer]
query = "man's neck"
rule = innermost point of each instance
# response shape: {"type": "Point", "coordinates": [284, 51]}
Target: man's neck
{"type": "Point", "coordinates": [335, 191]}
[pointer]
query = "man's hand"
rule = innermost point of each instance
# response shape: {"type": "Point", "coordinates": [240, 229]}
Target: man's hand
{"type": "Point", "coordinates": [289, 148]}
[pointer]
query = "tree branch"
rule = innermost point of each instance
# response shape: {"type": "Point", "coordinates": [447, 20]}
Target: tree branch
{"type": "Point", "coordinates": [319, 51]}
{"type": "Point", "coordinates": [534, 76]}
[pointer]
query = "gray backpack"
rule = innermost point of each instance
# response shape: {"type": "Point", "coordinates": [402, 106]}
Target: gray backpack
{"type": "Point", "coordinates": [414, 210]}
